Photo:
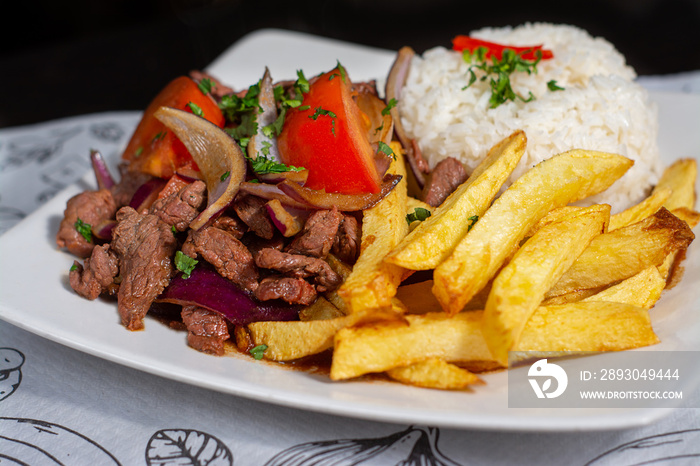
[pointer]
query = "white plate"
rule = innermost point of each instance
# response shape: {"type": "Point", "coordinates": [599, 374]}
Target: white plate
{"type": "Point", "coordinates": [35, 295]}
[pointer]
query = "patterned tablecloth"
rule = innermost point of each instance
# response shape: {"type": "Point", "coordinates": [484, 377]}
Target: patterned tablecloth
{"type": "Point", "coordinates": [61, 406]}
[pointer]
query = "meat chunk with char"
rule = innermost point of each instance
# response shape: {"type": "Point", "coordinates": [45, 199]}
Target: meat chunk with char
{"type": "Point", "coordinates": [227, 254]}
{"type": "Point", "coordinates": [447, 175]}
{"type": "Point", "coordinates": [97, 275]}
{"type": "Point", "coordinates": [252, 211]}
{"type": "Point", "coordinates": [206, 330]}
{"type": "Point", "coordinates": [346, 244]}
{"type": "Point", "coordinates": [290, 289]}
{"type": "Point", "coordinates": [180, 208]}
{"type": "Point", "coordinates": [127, 186]}
{"type": "Point", "coordinates": [299, 266]}
{"type": "Point", "coordinates": [318, 235]}
{"type": "Point", "coordinates": [91, 207]}
{"type": "Point", "coordinates": [145, 245]}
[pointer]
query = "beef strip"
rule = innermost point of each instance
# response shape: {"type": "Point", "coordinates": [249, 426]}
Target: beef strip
{"type": "Point", "coordinates": [289, 289]}
{"type": "Point", "coordinates": [206, 330]}
{"type": "Point", "coordinates": [346, 244]}
{"type": "Point", "coordinates": [298, 266]}
{"type": "Point", "coordinates": [231, 224]}
{"type": "Point", "coordinates": [180, 208]}
{"type": "Point", "coordinates": [91, 207]}
{"type": "Point", "coordinates": [251, 210]}
{"type": "Point", "coordinates": [447, 175]}
{"type": "Point", "coordinates": [127, 186]}
{"type": "Point", "coordinates": [97, 275]}
{"type": "Point", "coordinates": [227, 254]}
{"type": "Point", "coordinates": [145, 245]}
{"type": "Point", "coordinates": [318, 235]}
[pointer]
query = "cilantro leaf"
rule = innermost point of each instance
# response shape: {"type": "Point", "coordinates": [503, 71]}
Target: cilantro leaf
{"type": "Point", "coordinates": [85, 229]}
{"type": "Point", "coordinates": [391, 104]}
{"type": "Point", "coordinates": [472, 220]}
{"type": "Point", "coordinates": [184, 264]}
{"type": "Point", "coordinates": [196, 109]}
{"type": "Point", "coordinates": [386, 149]}
{"type": "Point", "coordinates": [553, 86]}
{"type": "Point", "coordinates": [263, 165]}
{"type": "Point", "coordinates": [205, 85]}
{"type": "Point", "coordinates": [418, 215]}
{"type": "Point", "coordinates": [258, 351]}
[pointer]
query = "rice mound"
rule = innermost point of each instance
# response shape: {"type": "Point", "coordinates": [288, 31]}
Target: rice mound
{"type": "Point", "coordinates": [601, 108]}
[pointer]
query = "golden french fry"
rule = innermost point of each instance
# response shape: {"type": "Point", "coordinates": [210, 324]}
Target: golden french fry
{"type": "Point", "coordinates": [571, 297]}
{"type": "Point", "coordinates": [642, 210]}
{"type": "Point", "coordinates": [619, 254]}
{"type": "Point", "coordinates": [435, 238]}
{"type": "Point", "coordinates": [418, 298]}
{"type": "Point", "coordinates": [689, 216]}
{"type": "Point", "coordinates": [552, 216]}
{"type": "Point", "coordinates": [413, 205]}
{"type": "Point", "coordinates": [680, 178]}
{"type": "Point", "coordinates": [553, 183]}
{"type": "Point", "coordinates": [320, 309]}
{"type": "Point", "coordinates": [520, 286]}
{"type": "Point", "coordinates": [287, 341]}
{"type": "Point", "coordinates": [434, 373]}
{"type": "Point", "coordinates": [642, 290]}
{"type": "Point", "coordinates": [579, 327]}
{"type": "Point", "coordinates": [372, 283]}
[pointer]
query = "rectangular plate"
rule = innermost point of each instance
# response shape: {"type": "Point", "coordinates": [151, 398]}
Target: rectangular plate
{"type": "Point", "coordinates": [35, 294]}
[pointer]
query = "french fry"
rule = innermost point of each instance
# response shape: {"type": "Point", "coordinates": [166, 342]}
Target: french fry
{"type": "Point", "coordinates": [435, 373]}
{"type": "Point", "coordinates": [552, 216]}
{"type": "Point", "coordinates": [680, 178]}
{"type": "Point", "coordinates": [320, 309]}
{"type": "Point", "coordinates": [435, 238]}
{"type": "Point", "coordinates": [578, 327]}
{"type": "Point", "coordinates": [642, 210]}
{"type": "Point", "coordinates": [411, 205]}
{"type": "Point", "coordinates": [619, 254]}
{"type": "Point", "coordinates": [520, 286]}
{"type": "Point", "coordinates": [372, 283]}
{"type": "Point", "coordinates": [557, 181]}
{"type": "Point", "coordinates": [642, 290]}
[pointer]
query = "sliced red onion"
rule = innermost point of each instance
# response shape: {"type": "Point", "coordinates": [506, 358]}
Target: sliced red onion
{"type": "Point", "coordinates": [344, 202]}
{"type": "Point", "coordinates": [206, 288]}
{"type": "Point", "coordinates": [394, 85]}
{"type": "Point", "coordinates": [288, 220]}
{"type": "Point", "coordinates": [147, 194]}
{"type": "Point", "coordinates": [260, 143]}
{"type": "Point", "coordinates": [189, 173]}
{"type": "Point", "coordinates": [219, 158]}
{"type": "Point", "coordinates": [103, 230]}
{"type": "Point", "coordinates": [296, 176]}
{"type": "Point", "coordinates": [271, 191]}
{"type": "Point", "coordinates": [102, 174]}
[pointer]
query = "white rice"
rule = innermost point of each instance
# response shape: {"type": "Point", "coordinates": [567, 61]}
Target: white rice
{"type": "Point", "coordinates": [601, 108]}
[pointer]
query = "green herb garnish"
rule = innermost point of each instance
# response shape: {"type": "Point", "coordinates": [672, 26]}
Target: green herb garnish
{"type": "Point", "coordinates": [263, 165]}
{"type": "Point", "coordinates": [225, 175]}
{"type": "Point", "coordinates": [85, 229]}
{"type": "Point", "coordinates": [472, 220]}
{"type": "Point", "coordinates": [196, 109]}
{"type": "Point", "coordinates": [418, 215]}
{"type": "Point", "coordinates": [321, 112]}
{"type": "Point", "coordinates": [343, 73]}
{"type": "Point", "coordinates": [74, 267]}
{"type": "Point", "coordinates": [205, 85]}
{"type": "Point", "coordinates": [258, 351]}
{"type": "Point", "coordinates": [385, 149]}
{"type": "Point", "coordinates": [391, 104]}
{"type": "Point", "coordinates": [553, 86]}
{"type": "Point", "coordinates": [184, 264]}
{"type": "Point", "coordinates": [301, 84]}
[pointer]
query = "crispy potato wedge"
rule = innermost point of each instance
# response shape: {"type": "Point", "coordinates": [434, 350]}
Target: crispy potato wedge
{"type": "Point", "coordinates": [619, 254]}
{"type": "Point", "coordinates": [641, 290]}
{"type": "Point", "coordinates": [640, 211]}
{"type": "Point", "coordinates": [552, 216]}
{"type": "Point", "coordinates": [579, 327]}
{"type": "Point", "coordinates": [320, 309]}
{"type": "Point", "coordinates": [372, 283]}
{"type": "Point", "coordinates": [435, 373]}
{"type": "Point", "coordinates": [689, 216]}
{"type": "Point", "coordinates": [435, 238]}
{"type": "Point", "coordinates": [520, 286]}
{"type": "Point", "coordinates": [418, 297]}
{"type": "Point", "coordinates": [557, 181]}
{"type": "Point", "coordinates": [287, 341]}
{"type": "Point", "coordinates": [680, 178]}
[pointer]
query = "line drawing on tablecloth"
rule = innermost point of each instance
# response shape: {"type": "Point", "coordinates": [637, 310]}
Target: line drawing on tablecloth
{"type": "Point", "coordinates": [186, 446]}
{"type": "Point", "coordinates": [38, 148]}
{"type": "Point", "coordinates": [413, 446]}
{"type": "Point", "coordinates": [108, 131]}
{"type": "Point", "coordinates": [669, 448]}
{"type": "Point", "coordinates": [11, 361]}
{"type": "Point", "coordinates": [30, 441]}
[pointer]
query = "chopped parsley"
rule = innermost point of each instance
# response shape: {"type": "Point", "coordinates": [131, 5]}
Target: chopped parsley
{"type": "Point", "coordinates": [139, 151]}
{"type": "Point", "coordinates": [472, 220]}
{"type": "Point", "coordinates": [263, 165]}
{"type": "Point", "coordinates": [196, 109]}
{"type": "Point", "coordinates": [553, 86]}
{"type": "Point", "coordinates": [225, 175]}
{"type": "Point", "coordinates": [343, 73]}
{"type": "Point", "coordinates": [258, 351]}
{"type": "Point", "coordinates": [85, 229]}
{"type": "Point", "coordinates": [184, 264]}
{"type": "Point", "coordinates": [498, 72]}
{"type": "Point", "coordinates": [385, 149]}
{"type": "Point", "coordinates": [418, 215]}
{"type": "Point", "coordinates": [160, 135]}
{"type": "Point", "coordinates": [301, 84]}
{"type": "Point", "coordinates": [74, 267]}
{"type": "Point", "coordinates": [321, 112]}
{"type": "Point", "coordinates": [391, 104]}
{"type": "Point", "coordinates": [205, 85]}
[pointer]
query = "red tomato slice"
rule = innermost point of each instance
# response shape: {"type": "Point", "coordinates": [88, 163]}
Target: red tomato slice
{"type": "Point", "coordinates": [327, 135]}
{"type": "Point", "coordinates": [155, 150]}
{"type": "Point", "coordinates": [460, 43]}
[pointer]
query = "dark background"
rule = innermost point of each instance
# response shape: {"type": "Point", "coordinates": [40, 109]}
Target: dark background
{"type": "Point", "coordinates": [67, 58]}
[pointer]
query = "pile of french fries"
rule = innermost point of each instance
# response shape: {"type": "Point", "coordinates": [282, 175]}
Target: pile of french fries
{"type": "Point", "coordinates": [522, 271]}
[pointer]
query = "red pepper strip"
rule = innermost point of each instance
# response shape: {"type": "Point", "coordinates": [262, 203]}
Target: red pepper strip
{"type": "Point", "coordinates": [460, 43]}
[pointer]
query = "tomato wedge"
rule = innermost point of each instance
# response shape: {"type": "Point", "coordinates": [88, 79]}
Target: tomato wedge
{"type": "Point", "coordinates": [155, 150]}
{"type": "Point", "coordinates": [327, 135]}
{"type": "Point", "coordinates": [494, 50]}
